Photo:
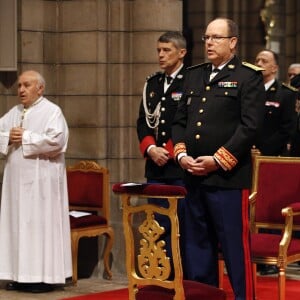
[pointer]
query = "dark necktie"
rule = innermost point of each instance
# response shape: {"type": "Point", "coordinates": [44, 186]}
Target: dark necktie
{"type": "Point", "coordinates": [169, 79]}
{"type": "Point", "coordinates": [213, 74]}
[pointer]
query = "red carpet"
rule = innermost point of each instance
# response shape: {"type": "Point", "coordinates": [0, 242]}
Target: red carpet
{"type": "Point", "coordinates": [266, 290]}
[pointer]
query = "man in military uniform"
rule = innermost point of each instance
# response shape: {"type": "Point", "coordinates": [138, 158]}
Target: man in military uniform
{"type": "Point", "coordinates": [161, 95]}
{"type": "Point", "coordinates": [279, 121]}
{"type": "Point", "coordinates": [216, 124]}
{"type": "Point", "coordinates": [293, 70]}
{"type": "Point", "coordinates": [280, 115]}
{"type": "Point", "coordinates": [295, 145]}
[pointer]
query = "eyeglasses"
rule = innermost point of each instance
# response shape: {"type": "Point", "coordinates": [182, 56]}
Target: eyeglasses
{"type": "Point", "coordinates": [214, 38]}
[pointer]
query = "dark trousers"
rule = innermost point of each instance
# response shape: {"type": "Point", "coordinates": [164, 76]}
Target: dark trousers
{"type": "Point", "coordinates": [218, 218]}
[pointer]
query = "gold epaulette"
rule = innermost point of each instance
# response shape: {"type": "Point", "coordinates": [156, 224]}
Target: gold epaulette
{"type": "Point", "coordinates": [289, 87]}
{"type": "Point", "coordinates": [153, 75]}
{"type": "Point", "coordinates": [253, 67]}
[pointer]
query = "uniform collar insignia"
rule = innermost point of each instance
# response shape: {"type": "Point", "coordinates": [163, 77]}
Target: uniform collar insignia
{"type": "Point", "coordinates": [231, 67]}
{"type": "Point", "coordinates": [152, 94]}
{"type": "Point", "coordinates": [180, 76]}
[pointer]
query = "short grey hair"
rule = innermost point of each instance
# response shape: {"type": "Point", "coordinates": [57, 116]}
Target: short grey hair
{"type": "Point", "coordinates": [40, 79]}
{"type": "Point", "coordinates": [175, 37]}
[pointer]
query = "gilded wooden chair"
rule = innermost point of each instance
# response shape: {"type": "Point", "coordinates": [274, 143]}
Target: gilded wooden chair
{"type": "Point", "coordinates": [88, 190]}
{"type": "Point", "coordinates": [151, 273]}
{"type": "Point", "coordinates": [275, 204]}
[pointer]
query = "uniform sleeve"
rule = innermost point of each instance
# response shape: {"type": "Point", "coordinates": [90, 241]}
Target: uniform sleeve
{"type": "Point", "coordinates": [145, 134]}
{"type": "Point", "coordinates": [252, 100]}
{"type": "Point", "coordinates": [179, 126]}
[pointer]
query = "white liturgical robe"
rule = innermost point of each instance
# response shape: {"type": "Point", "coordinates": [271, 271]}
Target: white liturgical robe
{"type": "Point", "coordinates": [35, 244]}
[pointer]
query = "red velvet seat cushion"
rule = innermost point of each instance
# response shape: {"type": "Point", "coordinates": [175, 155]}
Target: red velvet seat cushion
{"type": "Point", "coordinates": [150, 189]}
{"type": "Point", "coordinates": [266, 244]}
{"type": "Point", "coordinates": [85, 221]}
{"type": "Point", "coordinates": [193, 291]}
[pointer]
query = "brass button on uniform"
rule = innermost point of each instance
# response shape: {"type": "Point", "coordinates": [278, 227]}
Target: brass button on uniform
{"type": "Point", "coordinates": [208, 88]}
{"type": "Point", "coordinates": [162, 121]}
{"type": "Point", "coordinates": [164, 144]}
{"type": "Point", "coordinates": [199, 124]}
{"type": "Point", "coordinates": [163, 98]}
{"type": "Point", "coordinates": [163, 109]}
{"type": "Point", "coordinates": [197, 136]}
{"type": "Point", "coordinates": [163, 133]}
{"type": "Point", "coordinates": [201, 111]}
{"type": "Point", "coordinates": [226, 93]}
{"type": "Point", "coordinates": [203, 99]}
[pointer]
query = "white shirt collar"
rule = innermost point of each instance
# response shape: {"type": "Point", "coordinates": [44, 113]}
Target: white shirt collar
{"type": "Point", "coordinates": [174, 74]}
{"type": "Point", "coordinates": [269, 83]}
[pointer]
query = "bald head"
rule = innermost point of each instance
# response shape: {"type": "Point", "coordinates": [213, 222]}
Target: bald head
{"type": "Point", "coordinates": [220, 39]}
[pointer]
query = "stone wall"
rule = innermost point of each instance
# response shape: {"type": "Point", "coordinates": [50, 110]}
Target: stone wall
{"type": "Point", "coordinates": [95, 56]}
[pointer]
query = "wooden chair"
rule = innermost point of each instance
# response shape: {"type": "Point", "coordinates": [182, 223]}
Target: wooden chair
{"type": "Point", "coordinates": [275, 204]}
{"type": "Point", "coordinates": [149, 269]}
{"type": "Point", "coordinates": [88, 190]}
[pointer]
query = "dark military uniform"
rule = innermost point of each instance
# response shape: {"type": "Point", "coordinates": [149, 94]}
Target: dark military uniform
{"type": "Point", "coordinates": [280, 119]}
{"type": "Point", "coordinates": [220, 118]}
{"type": "Point", "coordinates": [165, 105]}
{"type": "Point", "coordinates": [295, 144]}
{"type": "Point", "coordinates": [161, 135]}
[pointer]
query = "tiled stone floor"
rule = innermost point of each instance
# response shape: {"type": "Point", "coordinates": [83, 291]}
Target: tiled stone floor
{"type": "Point", "coordinates": [84, 286]}
{"type": "Point", "coordinates": [92, 285]}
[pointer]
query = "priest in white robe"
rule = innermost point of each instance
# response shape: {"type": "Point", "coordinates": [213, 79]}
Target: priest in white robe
{"type": "Point", "coordinates": [35, 244]}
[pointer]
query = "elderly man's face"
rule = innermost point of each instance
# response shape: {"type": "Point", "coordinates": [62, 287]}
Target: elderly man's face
{"type": "Point", "coordinates": [29, 89]}
{"type": "Point", "coordinates": [292, 72]}
{"type": "Point", "coordinates": [266, 60]}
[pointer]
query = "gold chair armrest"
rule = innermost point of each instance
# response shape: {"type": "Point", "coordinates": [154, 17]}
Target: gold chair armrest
{"type": "Point", "coordinates": [252, 198]}
{"type": "Point", "coordinates": [252, 201]}
{"type": "Point", "coordinates": [288, 213]}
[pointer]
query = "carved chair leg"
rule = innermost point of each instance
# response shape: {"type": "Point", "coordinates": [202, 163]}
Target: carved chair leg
{"type": "Point", "coordinates": [75, 258]}
{"type": "Point", "coordinates": [281, 283]}
{"type": "Point", "coordinates": [107, 253]}
{"type": "Point", "coordinates": [254, 270]}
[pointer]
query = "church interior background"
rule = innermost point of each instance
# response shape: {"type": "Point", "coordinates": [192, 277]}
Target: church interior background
{"type": "Point", "coordinates": [95, 56]}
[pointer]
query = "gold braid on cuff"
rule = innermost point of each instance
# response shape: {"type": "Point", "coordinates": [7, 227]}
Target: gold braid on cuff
{"type": "Point", "coordinates": [226, 158]}
{"type": "Point", "coordinates": [179, 148]}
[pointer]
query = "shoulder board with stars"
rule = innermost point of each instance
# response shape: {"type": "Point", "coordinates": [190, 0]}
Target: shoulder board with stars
{"type": "Point", "coordinates": [253, 67]}
{"type": "Point", "coordinates": [153, 75]}
{"type": "Point", "coordinates": [197, 66]}
{"type": "Point", "coordinates": [289, 87]}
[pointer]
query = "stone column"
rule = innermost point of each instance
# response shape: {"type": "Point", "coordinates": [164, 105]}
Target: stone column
{"type": "Point", "coordinates": [134, 29]}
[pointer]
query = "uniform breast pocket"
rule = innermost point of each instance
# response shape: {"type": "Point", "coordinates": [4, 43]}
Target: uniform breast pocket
{"type": "Point", "coordinates": [193, 102]}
